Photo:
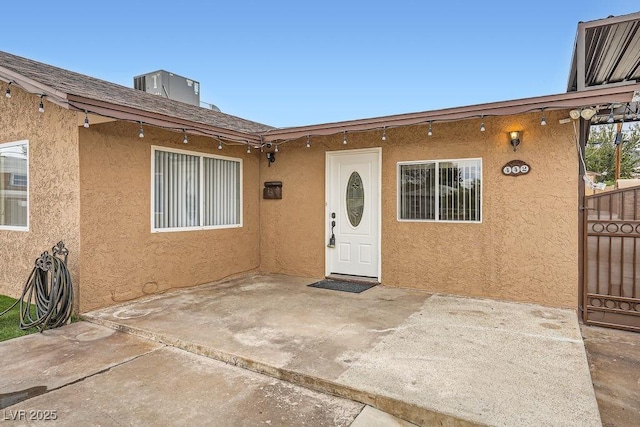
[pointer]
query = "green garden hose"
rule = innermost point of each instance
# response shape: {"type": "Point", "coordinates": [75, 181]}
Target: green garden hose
{"type": "Point", "coordinates": [49, 289]}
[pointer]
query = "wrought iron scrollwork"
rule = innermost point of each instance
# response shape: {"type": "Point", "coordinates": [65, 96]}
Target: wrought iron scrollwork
{"type": "Point", "coordinates": [60, 250]}
{"type": "Point", "coordinates": [44, 262]}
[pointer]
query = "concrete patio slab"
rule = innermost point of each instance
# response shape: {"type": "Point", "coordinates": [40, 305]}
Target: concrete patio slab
{"type": "Point", "coordinates": [431, 360]}
{"type": "Point", "coordinates": [173, 387]}
{"type": "Point", "coordinates": [37, 363]}
{"type": "Point", "coordinates": [495, 363]}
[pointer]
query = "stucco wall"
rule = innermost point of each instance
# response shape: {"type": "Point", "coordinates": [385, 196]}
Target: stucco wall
{"type": "Point", "coordinates": [54, 193]}
{"type": "Point", "coordinates": [525, 249]}
{"type": "Point", "coordinates": [121, 258]}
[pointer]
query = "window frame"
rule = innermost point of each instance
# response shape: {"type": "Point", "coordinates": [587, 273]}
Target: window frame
{"type": "Point", "coordinates": [28, 207]}
{"type": "Point", "coordinates": [201, 156]}
{"type": "Point", "coordinates": [437, 184]}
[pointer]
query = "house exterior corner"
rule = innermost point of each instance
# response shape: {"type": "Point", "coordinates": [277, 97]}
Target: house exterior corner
{"type": "Point", "coordinates": [50, 200]}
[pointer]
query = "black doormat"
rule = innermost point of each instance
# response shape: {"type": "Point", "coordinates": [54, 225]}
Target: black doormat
{"type": "Point", "coordinates": [339, 285]}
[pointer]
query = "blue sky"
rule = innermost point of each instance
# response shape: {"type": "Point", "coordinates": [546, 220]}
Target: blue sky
{"type": "Point", "coordinates": [289, 63]}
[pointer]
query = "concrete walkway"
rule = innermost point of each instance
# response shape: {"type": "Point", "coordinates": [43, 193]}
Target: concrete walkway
{"type": "Point", "coordinates": [429, 359]}
{"type": "Point", "coordinates": [89, 375]}
{"type": "Point", "coordinates": [614, 357]}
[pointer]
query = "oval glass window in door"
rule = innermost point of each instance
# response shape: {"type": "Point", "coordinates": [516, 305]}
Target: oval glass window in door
{"type": "Point", "coordinates": [355, 199]}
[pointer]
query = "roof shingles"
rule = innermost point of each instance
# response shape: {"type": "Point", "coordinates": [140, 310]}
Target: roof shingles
{"type": "Point", "coordinates": [73, 83]}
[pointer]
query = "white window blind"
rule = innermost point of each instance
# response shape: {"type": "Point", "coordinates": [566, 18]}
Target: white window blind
{"type": "Point", "coordinates": [221, 192]}
{"type": "Point", "coordinates": [417, 195]}
{"type": "Point", "coordinates": [195, 191]}
{"type": "Point", "coordinates": [440, 190]}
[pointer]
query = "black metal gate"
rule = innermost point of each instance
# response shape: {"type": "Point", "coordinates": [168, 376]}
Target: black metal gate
{"type": "Point", "coordinates": [611, 288]}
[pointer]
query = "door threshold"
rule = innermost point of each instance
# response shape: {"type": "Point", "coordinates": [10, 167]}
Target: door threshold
{"type": "Point", "coordinates": [351, 278]}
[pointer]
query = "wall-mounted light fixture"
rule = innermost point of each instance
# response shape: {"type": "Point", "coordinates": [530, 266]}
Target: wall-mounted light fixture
{"type": "Point", "coordinates": [514, 139]}
{"type": "Point", "coordinates": [271, 158]}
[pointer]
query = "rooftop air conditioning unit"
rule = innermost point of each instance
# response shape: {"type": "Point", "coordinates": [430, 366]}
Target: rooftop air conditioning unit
{"type": "Point", "coordinates": [169, 85]}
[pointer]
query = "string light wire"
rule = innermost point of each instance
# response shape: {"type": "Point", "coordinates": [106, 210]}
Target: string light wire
{"type": "Point", "coordinates": [233, 141]}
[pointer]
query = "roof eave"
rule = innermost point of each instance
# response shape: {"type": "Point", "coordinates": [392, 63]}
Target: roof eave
{"type": "Point", "coordinates": [32, 86]}
{"type": "Point", "coordinates": [569, 100]}
{"type": "Point", "coordinates": [121, 112]}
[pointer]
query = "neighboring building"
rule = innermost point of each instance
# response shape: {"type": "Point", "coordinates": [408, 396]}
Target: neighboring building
{"type": "Point", "coordinates": [421, 200]}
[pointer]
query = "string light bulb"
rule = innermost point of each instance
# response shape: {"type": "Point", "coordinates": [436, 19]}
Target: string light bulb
{"type": "Point", "coordinates": [308, 141]}
{"type": "Point", "coordinates": [248, 148]}
{"type": "Point", "coordinates": [86, 119]}
{"type": "Point", "coordinates": [482, 127]}
{"type": "Point", "coordinates": [8, 92]}
{"type": "Point", "coordinates": [185, 140]}
{"type": "Point", "coordinates": [384, 133]}
{"type": "Point", "coordinates": [629, 116]}
{"type": "Point", "coordinates": [141, 134]}
{"type": "Point", "coordinates": [430, 131]}
{"type": "Point", "coordinates": [41, 106]}
{"type": "Point", "coordinates": [219, 144]}
{"type": "Point", "coordinates": [543, 122]}
{"type": "Point", "coordinates": [276, 149]}
{"type": "Point", "coordinates": [344, 139]}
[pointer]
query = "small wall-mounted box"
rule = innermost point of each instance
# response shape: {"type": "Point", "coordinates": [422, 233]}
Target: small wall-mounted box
{"type": "Point", "coordinates": [272, 190]}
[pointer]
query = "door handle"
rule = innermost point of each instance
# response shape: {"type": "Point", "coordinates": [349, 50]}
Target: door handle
{"type": "Point", "coordinates": [332, 239]}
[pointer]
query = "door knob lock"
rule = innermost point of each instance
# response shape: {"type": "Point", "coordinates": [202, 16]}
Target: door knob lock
{"type": "Point", "coordinates": [332, 239]}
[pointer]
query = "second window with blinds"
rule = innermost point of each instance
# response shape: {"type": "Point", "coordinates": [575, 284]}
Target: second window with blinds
{"type": "Point", "coordinates": [194, 191]}
{"type": "Point", "coordinates": [440, 190]}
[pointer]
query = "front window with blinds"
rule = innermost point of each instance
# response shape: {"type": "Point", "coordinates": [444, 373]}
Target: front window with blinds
{"type": "Point", "coordinates": [193, 191]}
{"type": "Point", "coordinates": [443, 190]}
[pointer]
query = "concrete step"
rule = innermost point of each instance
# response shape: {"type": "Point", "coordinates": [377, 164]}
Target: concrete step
{"type": "Point", "coordinates": [403, 410]}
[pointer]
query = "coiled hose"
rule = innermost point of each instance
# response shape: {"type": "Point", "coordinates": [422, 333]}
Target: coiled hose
{"type": "Point", "coordinates": [49, 289]}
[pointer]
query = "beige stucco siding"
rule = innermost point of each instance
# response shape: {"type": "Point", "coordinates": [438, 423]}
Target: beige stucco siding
{"type": "Point", "coordinates": [96, 184]}
{"type": "Point", "coordinates": [121, 258]}
{"type": "Point", "coordinates": [525, 249]}
{"type": "Point", "coordinates": [54, 193]}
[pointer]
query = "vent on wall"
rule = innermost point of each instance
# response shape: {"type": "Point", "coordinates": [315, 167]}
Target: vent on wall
{"type": "Point", "coordinates": [169, 85]}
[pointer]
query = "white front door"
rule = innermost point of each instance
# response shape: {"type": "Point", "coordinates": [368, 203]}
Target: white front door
{"type": "Point", "coordinates": [353, 202]}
